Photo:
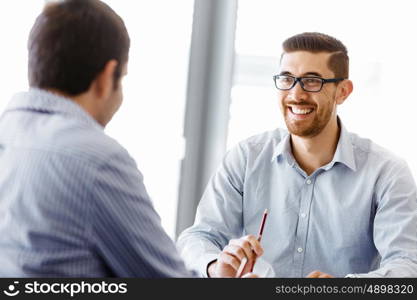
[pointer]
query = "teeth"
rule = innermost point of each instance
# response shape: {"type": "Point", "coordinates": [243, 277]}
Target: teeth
{"type": "Point", "coordinates": [301, 111]}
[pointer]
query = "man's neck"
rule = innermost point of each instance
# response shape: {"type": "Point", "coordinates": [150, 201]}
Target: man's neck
{"type": "Point", "coordinates": [312, 153]}
{"type": "Point", "coordinates": [85, 100]}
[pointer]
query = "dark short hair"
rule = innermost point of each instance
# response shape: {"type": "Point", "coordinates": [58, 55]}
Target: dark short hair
{"type": "Point", "coordinates": [71, 42]}
{"type": "Point", "coordinates": [318, 42]}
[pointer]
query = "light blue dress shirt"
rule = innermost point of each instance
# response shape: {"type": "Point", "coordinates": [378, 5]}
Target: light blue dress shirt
{"type": "Point", "coordinates": [356, 215]}
{"type": "Point", "coordinates": [72, 201]}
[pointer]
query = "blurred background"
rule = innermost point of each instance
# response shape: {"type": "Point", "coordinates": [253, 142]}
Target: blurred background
{"type": "Point", "coordinates": [200, 80]}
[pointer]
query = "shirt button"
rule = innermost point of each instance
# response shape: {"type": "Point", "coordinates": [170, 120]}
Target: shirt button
{"type": "Point", "coordinates": [308, 181]}
{"type": "Point", "coordinates": [299, 250]}
{"type": "Point", "coordinates": [303, 215]}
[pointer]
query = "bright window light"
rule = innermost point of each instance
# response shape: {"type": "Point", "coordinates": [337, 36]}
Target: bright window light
{"type": "Point", "coordinates": [16, 20]}
{"type": "Point", "coordinates": [150, 122]}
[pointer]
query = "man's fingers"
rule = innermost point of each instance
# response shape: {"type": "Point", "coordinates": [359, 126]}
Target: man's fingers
{"type": "Point", "coordinates": [318, 274]}
{"type": "Point", "coordinates": [244, 245]}
{"type": "Point", "coordinates": [250, 275]}
{"type": "Point", "coordinates": [236, 251]}
{"type": "Point", "coordinates": [314, 274]}
{"type": "Point", "coordinates": [255, 244]}
{"type": "Point", "coordinates": [249, 244]}
{"type": "Point", "coordinates": [225, 258]}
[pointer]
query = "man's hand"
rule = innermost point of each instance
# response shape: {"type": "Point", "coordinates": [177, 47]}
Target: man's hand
{"type": "Point", "coordinates": [318, 274]}
{"type": "Point", "coordinates": [250, 275]}
{"type": "Point", "coordinates": [229, 259]}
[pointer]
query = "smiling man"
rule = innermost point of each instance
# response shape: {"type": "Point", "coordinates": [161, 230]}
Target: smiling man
{"type": "Point", "coordinates": [339, 204]}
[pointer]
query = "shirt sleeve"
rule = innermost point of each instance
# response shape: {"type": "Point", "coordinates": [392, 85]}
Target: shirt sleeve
{"type": "Point", "coordinates": [126, 229]}
{"type": "Point", "coordinates": [395, 223]}
{"type": "Point", "coordinates": [219, 214]}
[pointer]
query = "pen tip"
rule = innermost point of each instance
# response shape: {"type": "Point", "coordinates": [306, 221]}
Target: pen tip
{"type": "Point", "coordinates": [266, 211]}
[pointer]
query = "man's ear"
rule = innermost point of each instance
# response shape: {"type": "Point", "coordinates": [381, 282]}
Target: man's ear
{"type": "Point", "coordinates": [104, 82]}
{"type": "Point", "coordinates": [344, 89]}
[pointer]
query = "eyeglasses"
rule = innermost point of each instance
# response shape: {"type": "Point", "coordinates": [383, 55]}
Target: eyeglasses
{"type": "Point", "coordinates": [308, 84]}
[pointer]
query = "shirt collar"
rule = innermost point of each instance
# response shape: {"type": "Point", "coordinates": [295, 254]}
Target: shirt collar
{"type": "Point", "coordinates": [43, 101]}
{"type": "Point", "coordinates": [344, 151]}
{"type": "Point", "coordinates": [283, 150]}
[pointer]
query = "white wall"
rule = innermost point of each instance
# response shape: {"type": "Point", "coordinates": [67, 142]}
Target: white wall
{"type": "Point", "coordinates": [16, 19]}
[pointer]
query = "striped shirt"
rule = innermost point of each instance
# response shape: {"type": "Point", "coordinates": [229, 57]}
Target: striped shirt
{"type": "Point", "coordinates": [72, 201]}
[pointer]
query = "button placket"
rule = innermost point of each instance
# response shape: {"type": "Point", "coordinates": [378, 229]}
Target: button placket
{"type": "Point", "coordinates": [302, 227]}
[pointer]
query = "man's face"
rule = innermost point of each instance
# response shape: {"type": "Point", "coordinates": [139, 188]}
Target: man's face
{"type": "Point", "coordinates": [306, 114]}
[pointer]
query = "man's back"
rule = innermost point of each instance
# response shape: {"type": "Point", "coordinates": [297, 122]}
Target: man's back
{"type": "Point", "coordinates": [72, 202]}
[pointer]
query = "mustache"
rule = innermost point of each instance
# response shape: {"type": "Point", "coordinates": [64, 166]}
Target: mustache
{"type": "Point", "coordinates": [298, 103]}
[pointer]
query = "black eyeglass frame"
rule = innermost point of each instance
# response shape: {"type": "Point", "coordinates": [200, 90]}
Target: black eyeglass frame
{"type": "Point", "coordinates": [298, 79]}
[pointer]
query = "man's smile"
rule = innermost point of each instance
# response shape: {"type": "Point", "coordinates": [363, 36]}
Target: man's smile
{"type": "Point", "coordinates": [300, 111]}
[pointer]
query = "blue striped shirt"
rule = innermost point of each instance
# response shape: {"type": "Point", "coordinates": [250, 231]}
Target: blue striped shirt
{"type": "Point", "coordinates": [72, 201]}
{"type": "Point", "coordinates": [356, 215]}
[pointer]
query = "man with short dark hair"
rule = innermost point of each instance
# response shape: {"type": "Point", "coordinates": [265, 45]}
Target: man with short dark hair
{"type": "Point", "coordinates": [339, 205]}
{"type": "Point", "coordinates": [72, 201]}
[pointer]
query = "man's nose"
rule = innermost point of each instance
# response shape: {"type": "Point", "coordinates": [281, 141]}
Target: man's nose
{"type": "Point", "coordinates": [297, 93]}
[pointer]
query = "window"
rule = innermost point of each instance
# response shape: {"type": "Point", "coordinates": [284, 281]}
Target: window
{"type": "Point", "coordinates": [149, 124]}
{"type": "Point", "coordinates": [16, 20]}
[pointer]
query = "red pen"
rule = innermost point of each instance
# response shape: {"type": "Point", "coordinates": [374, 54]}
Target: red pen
{"type": "Point", "coordinates": [245, 260]}
{"type": "Point", "coordinates": [261, 230]}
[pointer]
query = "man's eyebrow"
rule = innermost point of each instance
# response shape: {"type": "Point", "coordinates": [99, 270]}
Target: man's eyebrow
{"type": "Point", "coordinates": [303, 75]}
{"type": "Point", "coordinates": [312, 74]}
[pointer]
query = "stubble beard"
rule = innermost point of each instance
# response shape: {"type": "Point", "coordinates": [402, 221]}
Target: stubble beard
{"type": "Point", "coordinates": [320, 121]}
